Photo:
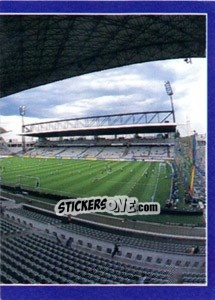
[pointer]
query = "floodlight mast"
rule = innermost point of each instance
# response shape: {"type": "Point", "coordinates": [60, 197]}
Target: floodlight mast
{"type": "Point", "coordinates": [169, 92]}
{"type": "Point", "coordinates": [22, 110]}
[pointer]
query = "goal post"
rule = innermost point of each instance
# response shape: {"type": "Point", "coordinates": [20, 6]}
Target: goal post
{"type": "Point", "coordinates": [28, 181]}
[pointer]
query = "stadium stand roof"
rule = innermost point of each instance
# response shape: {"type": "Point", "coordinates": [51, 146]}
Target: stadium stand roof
{"type": "Point", "coordinates": [128, 123]}
{"type": "Point", "coordinates": [2, 130]}
{"type": "Point", "coordinates": [40, 49]}
{"type": "Point", "coordinates": [108, 130]}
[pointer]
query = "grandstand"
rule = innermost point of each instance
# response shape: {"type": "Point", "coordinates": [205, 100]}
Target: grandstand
{"type": "Point", "coordinates": [199, 180]}
{"type": "Point", "coordinates": [31, 253]}
{"type": "Point", "coordinates": [4, 149]}
{"type": "Point", "coordinates": [137, 154]}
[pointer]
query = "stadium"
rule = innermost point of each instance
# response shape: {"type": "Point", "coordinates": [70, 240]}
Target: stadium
{"type": "Point", "coordinates": [137, 154]}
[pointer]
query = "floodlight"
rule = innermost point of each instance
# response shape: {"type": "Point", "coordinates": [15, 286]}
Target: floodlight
{"type": "Point", "coordinates": [169, 92]}
{"type": "Point", "coordinates": [22, 110]}
{"type": "Point", "coordinates": [168, 88]}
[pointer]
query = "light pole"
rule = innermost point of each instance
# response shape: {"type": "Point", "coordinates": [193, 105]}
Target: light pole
{"type": "Point", "coordinates": [169, 92]}
{"type": "Point", "coordinates": [22, 114]}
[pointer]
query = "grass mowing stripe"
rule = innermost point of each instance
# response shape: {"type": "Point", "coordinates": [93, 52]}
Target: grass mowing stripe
{"type": "Point", "coordinates": [136, 174]}
{"type": "Point", "coordinates": [139, 188]}
{"type": "Point", "coordinates": [107, 185]}
{"type": "Point", "coordinates": [70, 181]}
{"type": "Point", "coordinates": [76, 177]}
{"type": "Point", "coordinates": [146, 184]}
{"type": "Point", "coordinates": [93, 180]}
{"type": "Point", "coordinates": [164, 184]}
{"type": "Point", "coordinates": [113, 182]}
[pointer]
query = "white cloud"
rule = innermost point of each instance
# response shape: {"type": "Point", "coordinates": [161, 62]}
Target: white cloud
{"type": "Point", "coordinates": [128, 89]}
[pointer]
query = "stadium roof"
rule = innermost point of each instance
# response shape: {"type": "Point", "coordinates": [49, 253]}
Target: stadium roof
{"type": "Point", "coordinates": [107, 130]}
{"type": "Point", "coordinates": [40, 49]}
{"type": "Point", "coordinates": [2, 130]}
{"type": "Point", "coordinates": [128, 123]}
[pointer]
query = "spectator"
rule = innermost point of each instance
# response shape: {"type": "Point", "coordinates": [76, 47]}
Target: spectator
{"type": "Point", "coordinates": [69, 243]}
{"type": "Point", "coordinates": [69, 218]}
{"type": "Point", "coordinates": [196, 250]}
{"type": "Point", "coordinates": [116, 249]}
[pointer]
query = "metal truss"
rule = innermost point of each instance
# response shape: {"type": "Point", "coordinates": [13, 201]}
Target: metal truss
{"type": "Point", "coordinates": [137, 118]}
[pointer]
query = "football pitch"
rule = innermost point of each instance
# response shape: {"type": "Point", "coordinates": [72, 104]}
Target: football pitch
{"type": "Point", "coordinates": [147, 181]}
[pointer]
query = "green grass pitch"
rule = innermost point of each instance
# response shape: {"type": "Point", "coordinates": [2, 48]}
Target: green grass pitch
{"type": "Point", "coordinates": [147, 181]}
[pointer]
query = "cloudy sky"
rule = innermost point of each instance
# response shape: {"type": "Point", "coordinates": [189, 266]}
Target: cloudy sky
{"type": "Point", "coordinates": [133, 88]}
